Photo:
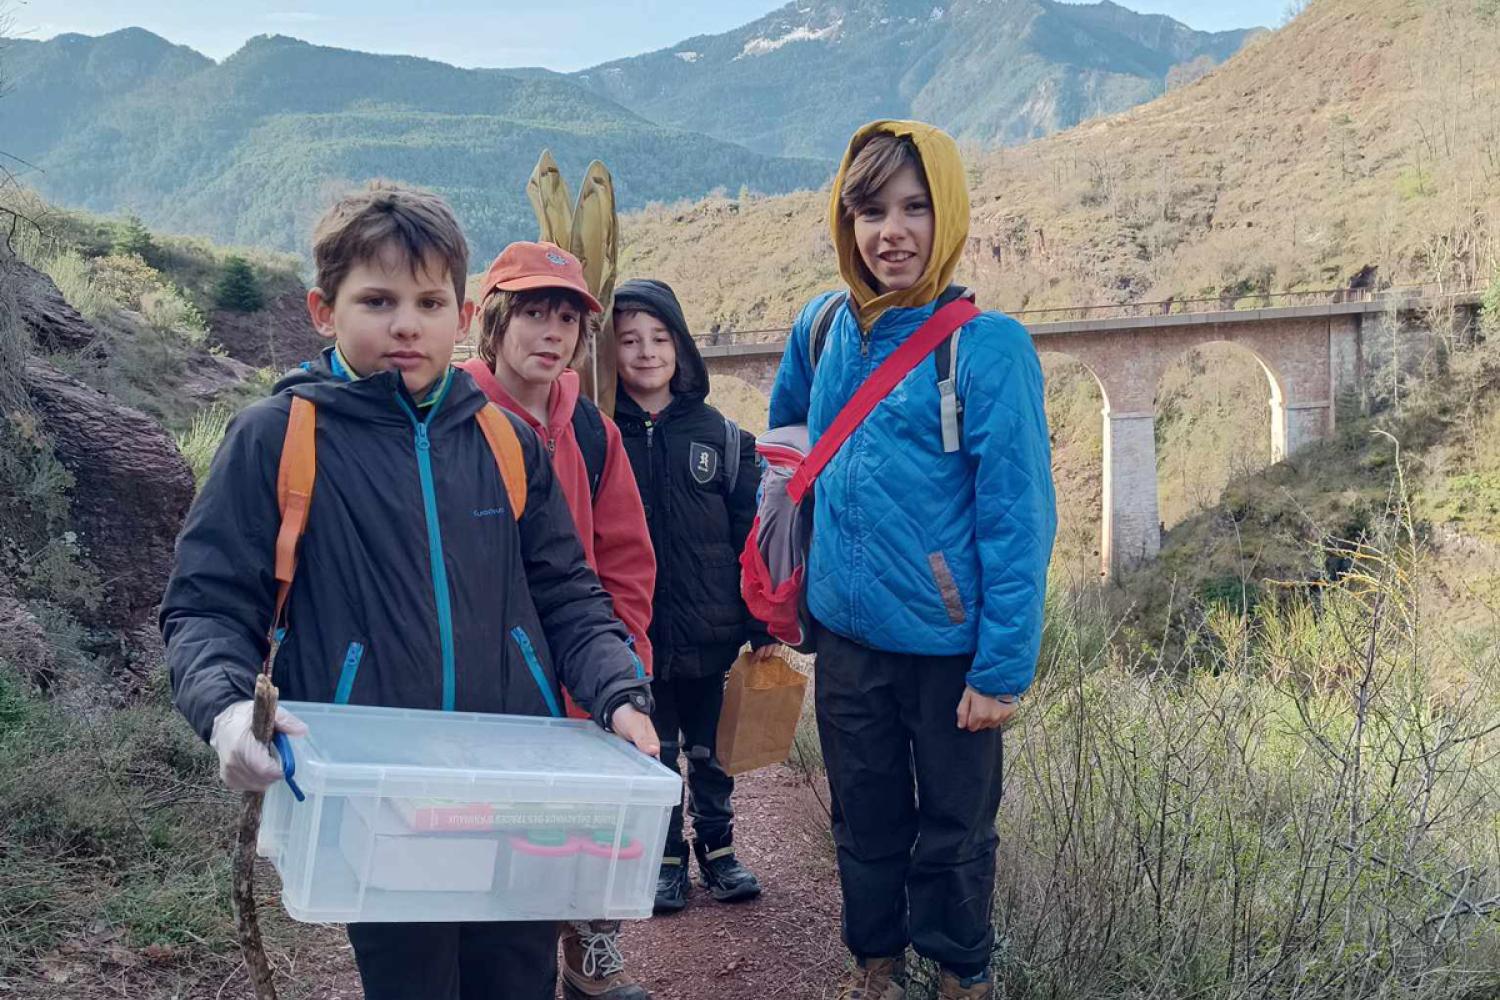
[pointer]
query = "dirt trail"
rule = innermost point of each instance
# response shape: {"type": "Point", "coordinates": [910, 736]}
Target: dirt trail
{"type": "Point", "coordinates": [785, 944]}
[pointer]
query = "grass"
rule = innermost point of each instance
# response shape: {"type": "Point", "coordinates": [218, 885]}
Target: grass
{"type": "Point", "coordinates": [200, 442]}
{"type": "Point", "coordinates": [118, 818]}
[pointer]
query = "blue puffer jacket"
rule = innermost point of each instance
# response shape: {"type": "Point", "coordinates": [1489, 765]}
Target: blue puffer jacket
{"type": "Point", "coordinates": [914, 550]}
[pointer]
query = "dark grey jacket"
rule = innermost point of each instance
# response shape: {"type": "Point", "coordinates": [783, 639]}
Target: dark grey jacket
{"type": "Point", "coordinates": [416, 586]}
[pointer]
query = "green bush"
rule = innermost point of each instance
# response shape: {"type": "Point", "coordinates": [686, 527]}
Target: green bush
{"type": "Point", "coordinates": [1299, 809]}
{"type": "Point", "coordinates": [126, 278]}
{"type": "Point", "coordinates": [237, 289]}
{"type": "Point", "coordinates": [132, 238]}
{"type": "Point", "coordinates": [170, 314]}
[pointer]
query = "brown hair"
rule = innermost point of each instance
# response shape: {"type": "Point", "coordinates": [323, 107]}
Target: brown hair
{"type": "Point", "coordinates": [363, 224]}
{"type": "Point", "coordinates": [501, 306]}
{"type": "Point", "coordinates": [877, 161]}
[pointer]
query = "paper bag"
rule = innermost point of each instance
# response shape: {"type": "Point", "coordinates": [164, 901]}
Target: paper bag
{"type": "Point", "coordinates": [762, 703]}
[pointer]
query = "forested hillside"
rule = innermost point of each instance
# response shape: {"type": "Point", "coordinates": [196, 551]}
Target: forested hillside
{"type": "Point", "coordinates": [248, 150]}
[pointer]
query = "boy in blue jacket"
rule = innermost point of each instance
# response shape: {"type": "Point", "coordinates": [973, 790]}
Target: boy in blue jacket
{"type": "Point", "coordinates": [927, 569]}
{"type": "Point", "coordinates": [418, 586]}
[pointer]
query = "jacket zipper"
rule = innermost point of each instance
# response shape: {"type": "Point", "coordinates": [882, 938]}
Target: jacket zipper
{"type": "Point", "coordinates": [528, 653]}
{"type": "Point", "coordinates": [435, 545]}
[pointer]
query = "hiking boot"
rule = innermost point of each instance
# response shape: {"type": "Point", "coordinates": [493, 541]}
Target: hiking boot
{"type": "Point", "coordinates": [723, 875]}
{"type": "Point", "coordinates": [672, 884]}
{"type": "Point", "coordinates": [875, 979]}
{"type": "Point", "coordinates": [951, 987]}
{"type": "Point", "coordinates": [592, 966]}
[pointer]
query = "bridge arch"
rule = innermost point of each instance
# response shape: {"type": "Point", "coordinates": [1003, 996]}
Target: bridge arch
{"type": "Point", "coordinates": [1076, 399]}
{"type": "Point", "coordinates": [1220, 412]}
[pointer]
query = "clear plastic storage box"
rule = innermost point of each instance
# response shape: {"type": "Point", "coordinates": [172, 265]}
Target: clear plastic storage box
{"type": "Point", "coordinates": [439, 816]}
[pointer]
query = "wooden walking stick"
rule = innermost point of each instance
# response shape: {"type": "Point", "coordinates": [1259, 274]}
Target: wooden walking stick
{"type": "Point", "coordinates": [294, 483]}
{"type": "Point", "coordinates": [247, 925]}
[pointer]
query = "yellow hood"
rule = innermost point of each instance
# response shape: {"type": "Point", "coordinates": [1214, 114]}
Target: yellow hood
{"type": "Point", "coordinates": [950, 206]}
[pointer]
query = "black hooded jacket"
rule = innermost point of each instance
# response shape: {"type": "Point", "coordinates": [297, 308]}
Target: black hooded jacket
{"type": "Point", "coordinates": [416, 587]}
{"type": "Point", "coordinates": [697, 527]}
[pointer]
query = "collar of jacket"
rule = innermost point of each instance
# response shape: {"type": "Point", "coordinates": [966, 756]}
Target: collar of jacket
{"type": "Point", "coordinates": [898, 323]}
{"type": "Point", "coordinates": [379, 398]}
{"type": "Point", "coordinates": [562, 397]}
{"type": "Point", "coordinates": [628, 413]}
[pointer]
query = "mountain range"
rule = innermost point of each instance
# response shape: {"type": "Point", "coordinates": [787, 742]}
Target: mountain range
{"type": "Point", "coordinates": [801, 79]}
{"type": "Point", "coordinates": [247, 150]}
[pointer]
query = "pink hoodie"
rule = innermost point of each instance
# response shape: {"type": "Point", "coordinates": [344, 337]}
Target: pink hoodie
{"type": "Point", "coordinates": [612, 526]}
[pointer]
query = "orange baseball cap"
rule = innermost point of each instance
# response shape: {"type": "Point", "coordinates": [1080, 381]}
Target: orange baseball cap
{"type": "Point", "coordinates": [523, 266]}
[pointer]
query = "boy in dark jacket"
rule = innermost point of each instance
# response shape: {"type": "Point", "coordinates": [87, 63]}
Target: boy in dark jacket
{"type": "Point", "coordinates": [418, 585]}
{"type": "Point", "coordinates": [698, 477]}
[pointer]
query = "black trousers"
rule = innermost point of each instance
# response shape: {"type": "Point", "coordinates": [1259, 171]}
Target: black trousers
{"type": "Point", "coordinates": [687, 720]}
{"type": "Point", "coordinates": [463, 961]}
{"type": "Point", "coordinates": [914, 803]}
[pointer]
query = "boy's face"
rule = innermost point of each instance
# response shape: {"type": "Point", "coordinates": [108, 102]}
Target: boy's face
{"type": "Point", "coordinates": [893, 231]}
{"type": "Point", "coordinates": [646, 354]}
{"type": "Point", "coordinates": [540, 339]}
{"type": "Point", "coordinates": [385, 318]}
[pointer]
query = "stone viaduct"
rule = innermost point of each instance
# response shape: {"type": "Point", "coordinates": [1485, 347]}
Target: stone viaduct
{"type": "Point", "coordinates": [1312, 356]}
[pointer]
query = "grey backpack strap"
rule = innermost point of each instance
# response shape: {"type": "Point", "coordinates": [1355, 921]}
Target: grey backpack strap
{"type": "Point", "coordinates": [821, 324]}
{"type": "Point", "coordinates": [945, 358]}
{"type": "Point", "coordinates": [731, 455]}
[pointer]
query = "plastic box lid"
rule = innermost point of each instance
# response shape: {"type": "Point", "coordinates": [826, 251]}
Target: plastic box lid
{"type": "Point", "coordinates": [358, 750]}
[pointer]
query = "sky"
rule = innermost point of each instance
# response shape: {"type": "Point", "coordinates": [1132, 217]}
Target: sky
{"type": "Point", "coordinates": [563, 35]}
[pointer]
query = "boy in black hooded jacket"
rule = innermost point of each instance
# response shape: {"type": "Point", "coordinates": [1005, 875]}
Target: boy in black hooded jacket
{"type": "Point", "coordinates": [422, 582]}
{"type": "Point", "coordinates": [698, 477]}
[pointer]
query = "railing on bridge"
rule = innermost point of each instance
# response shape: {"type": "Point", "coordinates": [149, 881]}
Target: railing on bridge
{"type": "Point", "coordinates": [1396, 297]}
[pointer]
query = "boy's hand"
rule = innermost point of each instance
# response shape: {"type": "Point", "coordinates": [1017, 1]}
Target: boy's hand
{"type": "Point", "coordinates": [245, 763]}
{"type": "Point", "coordinates": [636, 727]}
{"type": "Point", "coordinates": [977, 712]}
{"type": "Point", "coordinates": [764, 653]}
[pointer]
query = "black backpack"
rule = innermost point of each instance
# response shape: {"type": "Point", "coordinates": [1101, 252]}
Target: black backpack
{"type": "Point", "coordinates": [588, 428]}
{"type": "Point", "coordinates": [952, 407]}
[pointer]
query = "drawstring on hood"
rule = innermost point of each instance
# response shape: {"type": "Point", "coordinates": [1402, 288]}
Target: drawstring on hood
{"type": "Point", "coordinates": [946, 180]}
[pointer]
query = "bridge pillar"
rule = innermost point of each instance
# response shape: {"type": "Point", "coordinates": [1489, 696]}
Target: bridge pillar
{"type": "Point", "coordinates": [1306, 423]}
{"type": "Point", "coordinates": [1346, 365]}
{"type": "Point", "coordinates": [1132, 520]}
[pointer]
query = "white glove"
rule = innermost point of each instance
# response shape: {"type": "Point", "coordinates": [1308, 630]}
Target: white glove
{"type": "Point", "coordinates": [245, 763]}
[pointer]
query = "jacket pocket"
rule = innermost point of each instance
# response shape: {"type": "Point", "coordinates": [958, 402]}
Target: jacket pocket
{"type": "Point", "coordinates": [953, 602]}
{"type": "Point", "coordinates": [528, 654]}
{"type": "Point", "coordinates": [348, 672]}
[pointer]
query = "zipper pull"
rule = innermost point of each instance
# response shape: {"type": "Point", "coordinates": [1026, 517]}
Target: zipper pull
{"type": "Point", "coordinates": [423, 444]}
{"type": "Point", "coordinates": [864, 344]}
{"type": "Point", "coordinates": [650, 432]}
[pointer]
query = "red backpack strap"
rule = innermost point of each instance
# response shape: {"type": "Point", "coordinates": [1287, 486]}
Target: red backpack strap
{"type": "Point", "coordinates": [938, 328]}
{"type": "Point", "coordinates": [506, 448]}
{"type": "Point", "coordinates": [294, 488]}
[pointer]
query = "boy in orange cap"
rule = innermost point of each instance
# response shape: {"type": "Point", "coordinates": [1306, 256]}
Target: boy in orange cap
{"type": "Point", "coordinates": [534, 309]}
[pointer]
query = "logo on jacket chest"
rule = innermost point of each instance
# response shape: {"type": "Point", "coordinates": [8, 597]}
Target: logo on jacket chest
{"type": "Point", "coordinates": [703, 461]}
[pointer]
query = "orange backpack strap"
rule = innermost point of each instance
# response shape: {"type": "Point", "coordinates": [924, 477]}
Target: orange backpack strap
{"type": "Point", "coordinates": [294, 487]}
{"type": "Point", "coordinates": [506, 447]}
